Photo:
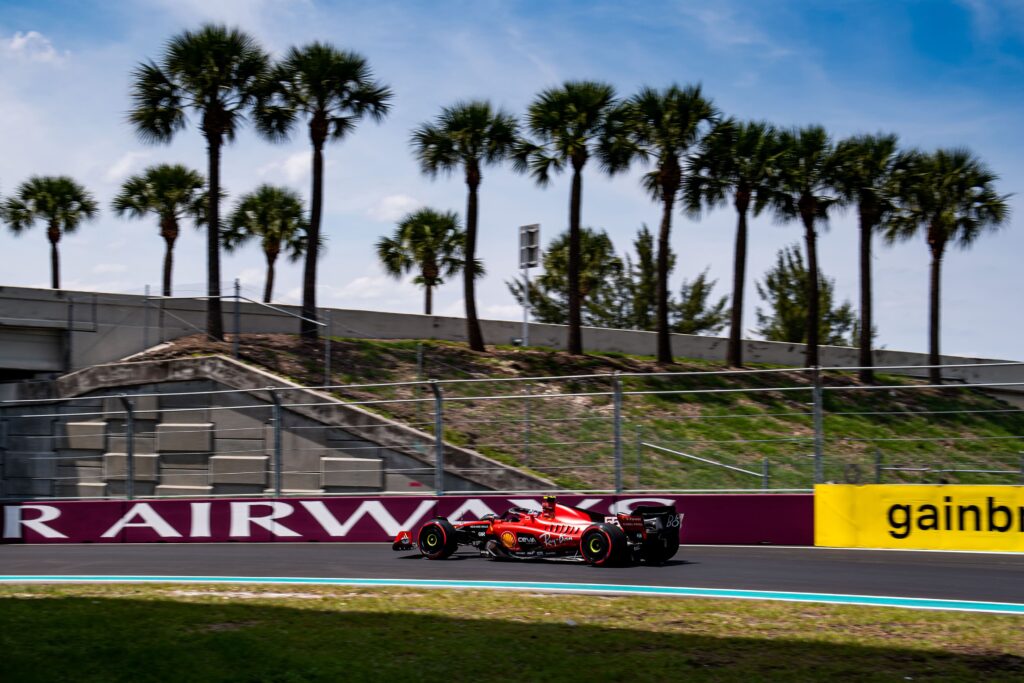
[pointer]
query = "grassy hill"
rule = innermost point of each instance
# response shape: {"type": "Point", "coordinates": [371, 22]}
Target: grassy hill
{"type": "Point", "coordinates": [565, 431]}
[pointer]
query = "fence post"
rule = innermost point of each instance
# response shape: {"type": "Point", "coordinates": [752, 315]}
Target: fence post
{"type": "Point", "coordinates": [129, 438]}
{"type": "Point", "coordinates": [639, 451]}
{"type": "Point", "coordinates": [438, 437]}
{"type": "Point", "coordinates": [878, 466]}
{"type": "Point", "coordinates": [238, 316]}
{"type": "Point", "coordinates": [327, 349]}
{"type": "Point", "coordinates": [276, 416]}
{"type": "Point", "coordinates": [526, 428]}
{"type": "Point", "coordinates": [765, 474]}
{"type": "Point", "coordinates": [3, 435]}
{"type": "Point", "coordinates": [69, 355]}
{"type": "Point", "coordinates": [819, 436]}
{"type": "Point", "coordinates": [617, 407]}
{"type": "Point", "coordinates": [420, 409]}
{"type": "Point", "coordinates": [145, 319]}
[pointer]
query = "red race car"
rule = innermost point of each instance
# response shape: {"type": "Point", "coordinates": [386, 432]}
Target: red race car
{"type": "Point", "coordinates": [649, 533]}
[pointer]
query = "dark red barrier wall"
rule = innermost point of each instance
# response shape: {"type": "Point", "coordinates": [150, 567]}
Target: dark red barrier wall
{"type": "Point", "coordinates": [744, 519]}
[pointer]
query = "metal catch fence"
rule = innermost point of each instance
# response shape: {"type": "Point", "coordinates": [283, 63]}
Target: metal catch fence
{"type": "Point", "coordinates": [774, 429]}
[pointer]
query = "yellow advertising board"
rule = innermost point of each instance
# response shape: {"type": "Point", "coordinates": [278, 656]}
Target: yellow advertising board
{"type": "Point", "coordinates": [951, 517]}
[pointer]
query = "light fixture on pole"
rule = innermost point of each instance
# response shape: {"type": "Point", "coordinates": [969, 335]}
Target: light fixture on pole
{"type": "Point", "coordinates": [529, 257]}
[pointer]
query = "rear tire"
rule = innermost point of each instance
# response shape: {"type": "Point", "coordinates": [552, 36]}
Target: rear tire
{"type": "Point", "coordinates": [604, 545]}
{"type": "Point", "coordinates": [660, 550]}
{"type": "Point", "coordinates": [437, 539]}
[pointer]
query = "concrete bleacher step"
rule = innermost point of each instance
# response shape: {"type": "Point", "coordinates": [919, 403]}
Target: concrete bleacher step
{"type": "Point", "coordinates": [115, 466]}
{"type": "Point", "coordinates": [81, 489]}
{"type": "Point", "coordinates": [175, 490]}
{"type": "Point", "coordinates": [186, 437]}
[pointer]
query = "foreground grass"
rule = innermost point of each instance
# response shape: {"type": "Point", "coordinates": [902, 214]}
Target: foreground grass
{"type": "Point", "coordinates": [310, 633]}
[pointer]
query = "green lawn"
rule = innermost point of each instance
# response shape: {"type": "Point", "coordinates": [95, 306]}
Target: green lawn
{"type": "Point", "coordinates": [227, 633]}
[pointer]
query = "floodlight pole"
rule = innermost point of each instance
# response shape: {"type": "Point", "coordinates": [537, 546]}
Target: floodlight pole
{"type": "Point", "coordinates": [529, 244]}
{"type": "Point", "coordinates": [526, 304]}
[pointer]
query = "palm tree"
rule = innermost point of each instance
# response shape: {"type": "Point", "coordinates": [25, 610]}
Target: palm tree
{"type": "Point", "coordinates": [469, 135]}
{"type": "Point", "coordinates": [741, 160]}
{"type": "Point", "coordinates": [172, 193]}
{"type": "Point", "coordinates": [663, 126]}
{"type": "Point", "coordinates": [432, 243]}
{"type": "Point", "coordinates": [58, 201]}
{"type": "Point", "coordinates": [805, 191]}
{"type": "Point", "coordinates": [950, 197]}
{"type": "Point", "coordinates": [275, 216]}
{"type": "Point", "coordinates": [867, 170]}
{"type": "Point", "coordinates": [569, 122]}
{"type": "Point", "coordinates": [334, 89]}
{"type": "Point", "coordinates": [214, 72]}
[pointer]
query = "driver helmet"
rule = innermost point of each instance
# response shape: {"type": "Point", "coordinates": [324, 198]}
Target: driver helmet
{"type": "Point", "coordinates": [548, 506]}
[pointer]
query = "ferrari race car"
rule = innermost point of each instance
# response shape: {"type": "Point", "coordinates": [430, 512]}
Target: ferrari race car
{"type": "Point", "coordinates": [560, 532]}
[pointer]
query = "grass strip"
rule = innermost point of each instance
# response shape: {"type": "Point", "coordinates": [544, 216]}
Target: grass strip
{"type": "Point", "coordinates": [324, 633]}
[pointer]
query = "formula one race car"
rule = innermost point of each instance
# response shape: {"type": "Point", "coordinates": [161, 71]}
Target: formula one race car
{"type": "Point", "coordinates": [561, 532]}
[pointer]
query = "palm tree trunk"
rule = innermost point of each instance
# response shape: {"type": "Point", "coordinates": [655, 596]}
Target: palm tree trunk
{"type": "Point", "coordinates": [734, 354]}
{"type": "Point", "coordinates": [428, 301]}
{"type": "Point", "coordinates": [309, 329]}
{"type": "Point", "coordinates": [935, 374]}
{"type": "Point", "coordinates": [865, 356]}
{"type": "Point", "coordinates": [268, 288]}
{"type": "Point", "coordinates": [664, 339]}
{"type": "Point", "coordinates": [53, 234]}
{"type": "Point", "coordinates": [168, 265]}
{"type": "Point", "coordinates": [574, 342]}
{"type": "Point", "coordinates": [813, 302]}
{"type": "Point", "coordinates": [214, 321]}
{"type": "Point", "coordinates": [473, 334]}
{"type": "Point", "coordinates": [169, 231]}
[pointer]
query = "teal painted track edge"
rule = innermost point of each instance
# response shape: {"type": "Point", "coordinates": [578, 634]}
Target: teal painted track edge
{"type": "Point", "coordinates": [675, 591]}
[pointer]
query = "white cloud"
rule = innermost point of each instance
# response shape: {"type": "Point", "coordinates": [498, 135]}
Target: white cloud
{"type": "Point", "coordinates": [502, 312]}
{"type": "Point", "coordinates": [251, 277]}
{"type": "Point", "coordinates": [992, 18]}
{"type": "Point", "coordinates": [455, 309]}
{"type": "Point", "coordinates": [32, 46]}
{"type": "Point", "coordinates": [255, 14]}
{"type": "Point", "coordinates": [295, 168]}
{"type": "Point", "coordinates": [126, 164]}
{"type": "Point", "coordinates": [367, 287]}
{"type": "Point", "coordinates": [721, 25]}
{"type": "Point", "coordinates": [392, 207]}
{"type": "Point", "coordinates": [108, 268]}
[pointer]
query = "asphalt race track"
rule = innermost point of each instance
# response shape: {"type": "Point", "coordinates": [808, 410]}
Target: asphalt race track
{"type": "Point", "coordinates": [989, 577]}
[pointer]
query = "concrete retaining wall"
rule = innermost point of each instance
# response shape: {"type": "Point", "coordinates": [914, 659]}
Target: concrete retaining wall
{"type": "Point", "coordinates": [109, 327]}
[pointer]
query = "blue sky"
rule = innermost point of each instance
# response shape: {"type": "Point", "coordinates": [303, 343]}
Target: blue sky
{"type": "Point", "coordinates": [937, 72]}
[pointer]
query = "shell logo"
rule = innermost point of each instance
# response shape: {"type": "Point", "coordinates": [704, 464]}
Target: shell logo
{"type": "Point", "coordinates": [508, 539]}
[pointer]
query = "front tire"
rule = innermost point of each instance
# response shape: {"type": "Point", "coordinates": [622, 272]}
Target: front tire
{"type": "Point", "coordinates": [437, 539]}
{"type": "Point", "coordinates": [604, 545]}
